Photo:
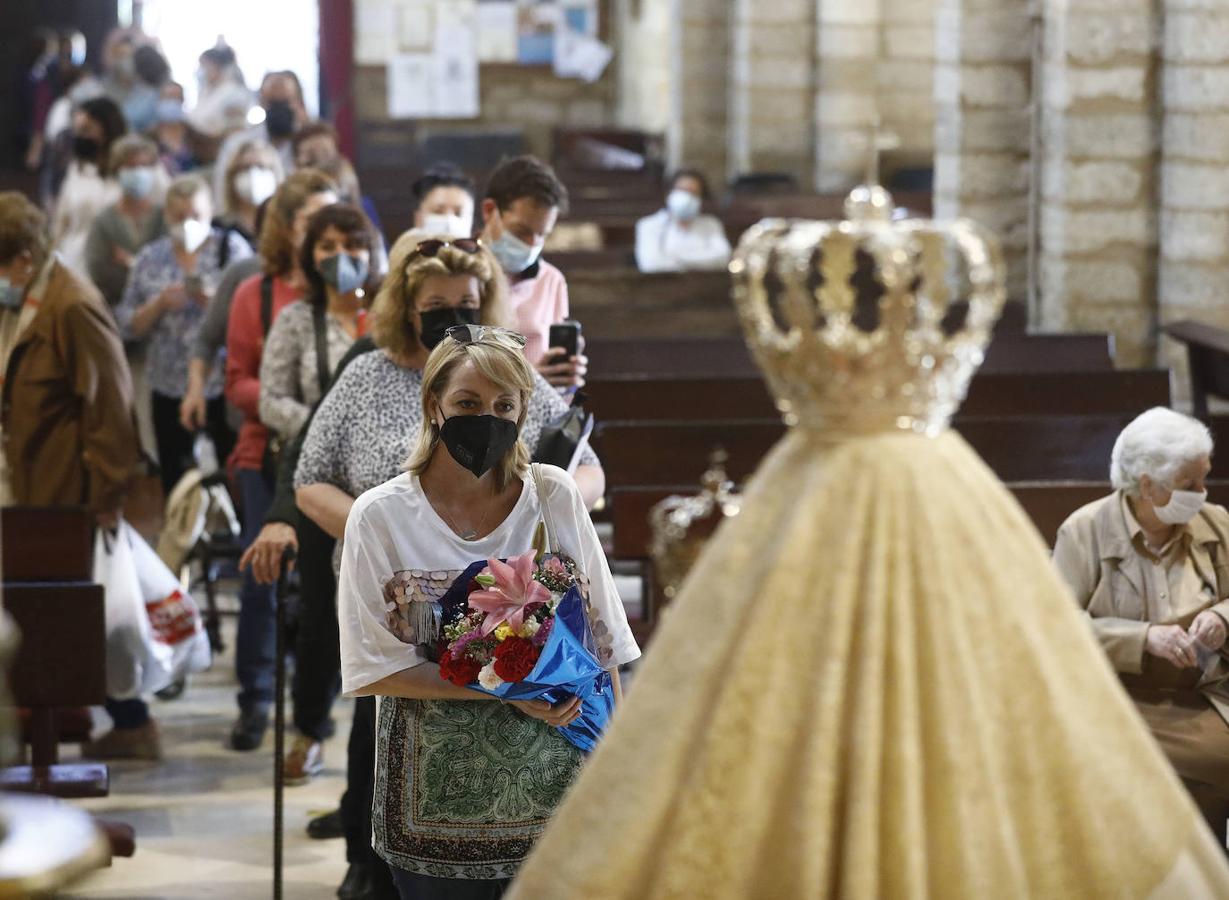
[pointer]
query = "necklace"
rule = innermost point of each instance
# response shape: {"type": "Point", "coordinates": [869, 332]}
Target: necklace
{"type": "Point", "coordinates": [470, 534]}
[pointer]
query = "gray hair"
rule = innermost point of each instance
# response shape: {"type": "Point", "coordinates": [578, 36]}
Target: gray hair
{"type": "Point", "coordinates": [129, 146]}
{"type": "Point", "coordinates": [186, 187]}
{"type": "Point", "coordinates": [1157, 443]}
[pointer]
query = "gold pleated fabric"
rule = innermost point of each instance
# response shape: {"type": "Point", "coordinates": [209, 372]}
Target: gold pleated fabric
{"type": "Point", "coordinates": [873, 685]}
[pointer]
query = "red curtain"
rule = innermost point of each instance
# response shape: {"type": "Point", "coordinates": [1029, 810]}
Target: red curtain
{"type": "Point", "coordinates": [337, 69]}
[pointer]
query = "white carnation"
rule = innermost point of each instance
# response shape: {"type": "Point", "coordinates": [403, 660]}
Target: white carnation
{"type": "Point", "coordinates": [531, 627]}
{"type": "Point", "coordinates": [487, 677]}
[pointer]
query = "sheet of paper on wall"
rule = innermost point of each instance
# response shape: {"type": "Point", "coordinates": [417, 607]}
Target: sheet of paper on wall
{"type": "Point", "coordinates": [415, 24]}
{"type": "Point", "coordinates": [496, 31]}
{"type": "Point", "coordinates": [455, 63]}
{"type": "Point", "coordinates": [375, 32]}
{"type": "Point", "coordinates": [411, 86]}
{"type": "Point", "coordinates": [536, 23]}
{"type": "Point", "coordinates": [580, 16]}
{"type": "Point", "coordinates": [580, 56]}
{"type": "Point", "coordinates": [461, 13]}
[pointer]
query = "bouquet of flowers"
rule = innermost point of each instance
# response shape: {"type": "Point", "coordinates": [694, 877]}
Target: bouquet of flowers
{"type": "Point", "coordinates": [517, 630]}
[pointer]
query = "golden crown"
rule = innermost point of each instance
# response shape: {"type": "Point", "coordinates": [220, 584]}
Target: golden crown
{"type": "Point", "coordinates": [868, 324]}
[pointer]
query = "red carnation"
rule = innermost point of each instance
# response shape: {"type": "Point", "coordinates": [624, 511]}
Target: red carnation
{"type": "Point", "coordinates": [460, 672]}
{"type": "Point", "coordinates": [515, 659]}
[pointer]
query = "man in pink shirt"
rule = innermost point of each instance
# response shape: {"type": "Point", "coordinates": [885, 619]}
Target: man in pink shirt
{"type": "Point", "coordinates": [523, 201]}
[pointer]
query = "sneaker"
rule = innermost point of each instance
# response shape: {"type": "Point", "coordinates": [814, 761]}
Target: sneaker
{"type": "Point", "coordinates": [249, 729]}
{"type": "Point", "coordinates": [142, 742]}
{"type": "Point", "coordinates": [326, 827]}
{"type": "Point", "coordinates": [304, 761]}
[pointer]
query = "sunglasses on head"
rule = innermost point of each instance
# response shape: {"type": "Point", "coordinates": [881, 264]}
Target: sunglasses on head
{"type": "Point", "coordinates": [433, 247]}
{"type": "Point", "coordinates": [473, 334]}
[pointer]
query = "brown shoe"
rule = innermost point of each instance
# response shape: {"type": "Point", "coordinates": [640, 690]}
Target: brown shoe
{"type": "Point", "coordinates": [126, 743]}
{"type": "Point", "coordinates": [304, 761]}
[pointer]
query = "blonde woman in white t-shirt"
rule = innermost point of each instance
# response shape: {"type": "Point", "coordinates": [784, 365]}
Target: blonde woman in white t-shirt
{"type": "Point", "coordinates": [464, 783]}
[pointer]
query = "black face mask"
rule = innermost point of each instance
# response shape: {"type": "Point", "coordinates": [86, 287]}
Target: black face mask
{"type": "Point", "coordinates": [436, 322]}
{"type": "Point", "coordinates": [85, 148]}
{"type": "Point", "coordinates": [478, 443]}
{"type": "Point", "coordinates": [279, 119]}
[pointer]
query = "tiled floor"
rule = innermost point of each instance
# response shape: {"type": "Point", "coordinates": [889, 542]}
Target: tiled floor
{"type": "Point", "coordinates": [204, 816]}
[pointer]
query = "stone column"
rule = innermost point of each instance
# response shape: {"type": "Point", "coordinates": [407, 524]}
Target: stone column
{"type": "Point", "coordinates": [699, 50]}
{"type": "Point", "coordinates": [847, 102]}
{"type": "Point", "coordinates": [906, 79]}
{"type": "Point", "coordinates": [1098, 212]}
{"type": "Point", "coordinates": [983, 52]}
{"type": "Point", "coordinates": [772, 88]}
{"type": "Point", "coordinates": [1194, 191]}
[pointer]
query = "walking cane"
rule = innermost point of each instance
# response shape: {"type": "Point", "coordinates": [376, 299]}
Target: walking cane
{"type": "Point", "coordinates": [279, 717]}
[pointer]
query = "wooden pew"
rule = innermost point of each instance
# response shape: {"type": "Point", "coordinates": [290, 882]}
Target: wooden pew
{"type": "Point", "coordinates": [1019, 448]}
{"type": "Point", "coordinates": [1207, 349]}
{"type": "Point", "coordinates": [728, 356]}
{"type": "Point", "coordinates": [60, 663]}
{"type": "Point", "coordinates": [747, 397]}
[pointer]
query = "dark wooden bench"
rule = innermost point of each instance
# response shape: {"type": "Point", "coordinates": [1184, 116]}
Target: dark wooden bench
{"type": "Point", "coordinates": [1207, 349]}
{"type": "Point", "coordinates": [1017, 448]}
{"type": "Point", "coordinates": [747, 397]}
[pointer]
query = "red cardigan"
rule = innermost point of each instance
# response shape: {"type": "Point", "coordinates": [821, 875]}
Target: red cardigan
{"type": "Point", "coordinates": [245, 342]}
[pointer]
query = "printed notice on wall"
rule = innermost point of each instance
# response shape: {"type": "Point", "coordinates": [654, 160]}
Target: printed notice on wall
{"type": "Point", "coordinates": [496, 29]}
{"type": "Point", "coordinates": [411, 90]}
{"type": "Point", "coordinates": [456, 72]}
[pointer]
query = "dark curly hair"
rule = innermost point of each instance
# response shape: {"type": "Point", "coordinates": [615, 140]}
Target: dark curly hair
{"type": "Point", "coordinates": [526, 176]}
{"type": "Point", "coordinates": [106, 113]}
{"type": "Point", "coordinates": [347, 219]}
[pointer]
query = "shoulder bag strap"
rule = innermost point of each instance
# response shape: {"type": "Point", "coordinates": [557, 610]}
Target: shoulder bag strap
{"type": "Point", "coordinates": [552, 544]}
{"type": "Point", "coordinates": [266, 304]}
{"type": "Point", "coordinates": [321, 327]}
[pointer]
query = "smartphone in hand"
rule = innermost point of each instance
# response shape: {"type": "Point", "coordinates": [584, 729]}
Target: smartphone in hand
{"type": "Point", "coordinates": [566, 335]}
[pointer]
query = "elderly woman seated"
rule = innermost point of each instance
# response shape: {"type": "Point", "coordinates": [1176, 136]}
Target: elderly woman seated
{"type": "Point", "coordinates": [1150, 566]}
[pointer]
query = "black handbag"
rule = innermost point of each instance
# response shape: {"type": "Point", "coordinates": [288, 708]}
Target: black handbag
{"type": "Point", "coordinates": [562, 439]}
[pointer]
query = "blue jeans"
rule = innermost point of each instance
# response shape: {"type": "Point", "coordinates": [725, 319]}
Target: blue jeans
{"type": "Point", "coordinates": [256, 640]}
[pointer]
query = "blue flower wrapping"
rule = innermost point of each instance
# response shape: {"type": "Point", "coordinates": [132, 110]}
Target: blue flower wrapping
{"type": "Point", "coordinates": [567, 667]}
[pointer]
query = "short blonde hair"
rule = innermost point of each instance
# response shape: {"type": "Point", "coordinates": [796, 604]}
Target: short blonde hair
{"type": "Point", "coordinates": [131, 145]}
{"type": "Point", "coordinates": [23, 229]}
{"type": "Point", "coordinates": [187, 187]}
{"type": "Point", "coordinates": [391, 326]}
{"type": "Point", "coordinates": [268, 158]}
{"type": "Point", "coordinates": [503, 363]}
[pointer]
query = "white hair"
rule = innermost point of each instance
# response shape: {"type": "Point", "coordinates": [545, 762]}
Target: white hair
{"type": "Point", "coordinates": [1157, 443]}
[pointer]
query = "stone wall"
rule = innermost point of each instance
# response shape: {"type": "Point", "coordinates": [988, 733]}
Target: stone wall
{"type": "Point", "coordinates": [646, 38]}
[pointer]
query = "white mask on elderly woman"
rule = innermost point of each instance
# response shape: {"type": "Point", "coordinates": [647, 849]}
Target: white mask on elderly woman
{"type": "Point", "coordinates": [1182, 507]}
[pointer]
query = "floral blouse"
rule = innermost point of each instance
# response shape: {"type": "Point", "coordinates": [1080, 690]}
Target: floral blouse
{"type": "Point", "coordinates": [289, 374]}
{"type": "Point", "coordinates": [172, 337]}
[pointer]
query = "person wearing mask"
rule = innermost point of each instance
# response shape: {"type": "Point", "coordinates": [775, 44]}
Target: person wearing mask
{"type": "Point", "coordinates": [172, 133]}
{"type": "Point", "coordinates": [360, 435]}
{"type": "Point", "coordinates": [223, 100]}
{"type": "Point", "coordinates": [307, 342]}
{"type": "Point", "coordinates": [67, 419]}
{"type": "Point", "coordinates": [281, 98]}
{"type": "Point", "coordinates": [265, 295]}
{"type": "Point", "coordinates": [89, 184]}
{"type": "Point", "coordinates": [679, 238]}
{"type": "Point", "coordinates": [281, 232]}
{"type": "Point", "coordinates": [130, 223]}
{"type": "Point", "coordinates": [316, 145]}
{"type": "Point", "coordinates": [424, 527]}
{"type": "Point", "coordinates": [523, 202]}
{"type": "Point", "coordinates": [1147, 565]}
{"type": "Point", "coordinates": [152, 71]}
{"type": "Point", "coordinates": [171, 283]}
{"type": "Point", "coordinates": [120, 81]}
{"type": "Point", "coordinates": [445, 198]}
{"type": "Point", "coordinates": [253, 175]}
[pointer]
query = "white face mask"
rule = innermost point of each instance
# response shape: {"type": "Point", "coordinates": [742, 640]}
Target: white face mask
{"type": "Point", "coordinates": [256, 184]}
{"type": "Point", "coordinates": [190, 234]}
{"type": "Point", "coordinates": [1182, 507]}
{"type": "Point", "coordinates": [446, 224]}
{"type": "Point", "coordinates": [683, 205]}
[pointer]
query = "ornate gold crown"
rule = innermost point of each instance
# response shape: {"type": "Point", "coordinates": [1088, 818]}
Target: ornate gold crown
{"type": "Point", "coordinates": [868, 324]}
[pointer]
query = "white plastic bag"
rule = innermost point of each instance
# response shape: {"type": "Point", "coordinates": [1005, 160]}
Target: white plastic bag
{"type": "Point", "coordinates": [154, 630]}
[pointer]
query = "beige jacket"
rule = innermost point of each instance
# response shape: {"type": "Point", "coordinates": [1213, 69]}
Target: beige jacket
{"type": "Point", "coordinates": [1095, 556]}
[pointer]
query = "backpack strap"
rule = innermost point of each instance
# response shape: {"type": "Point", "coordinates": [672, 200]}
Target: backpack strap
{"type": "Point", "coordinates": [266, 304]}
{"type": "Point", "coordinates": [321, 327]}
{"type": "Point", "coordinates": [552, 543]}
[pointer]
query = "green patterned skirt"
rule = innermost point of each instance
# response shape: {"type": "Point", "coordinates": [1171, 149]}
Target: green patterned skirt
{"type": "Point", "coordinates": [464, 788]}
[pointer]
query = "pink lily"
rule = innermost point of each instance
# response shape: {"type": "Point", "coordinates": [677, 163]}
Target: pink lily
{"type": "Point", "coordinates": [514, 590]}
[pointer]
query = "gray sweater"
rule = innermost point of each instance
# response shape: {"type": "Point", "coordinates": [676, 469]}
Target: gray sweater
{"type": "Point", "coordinates": [212, 336]}
{"type": "Point", "coordinates": [112, 229]}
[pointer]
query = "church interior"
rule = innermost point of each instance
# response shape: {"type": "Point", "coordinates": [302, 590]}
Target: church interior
{"type": "Point", "coordinates": [799, 414]}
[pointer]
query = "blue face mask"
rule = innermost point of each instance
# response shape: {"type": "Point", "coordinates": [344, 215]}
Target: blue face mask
{"type": "Point", "coordinates": [137, 181]}
{"type": "Point", "coordinates": [683, 205]}
{"type": "Point", "coordinates": [345, 272]}
{"type": "Point", "coordinates": [514, 255]}
{"type": "Point", "coordinates": [10, 294]}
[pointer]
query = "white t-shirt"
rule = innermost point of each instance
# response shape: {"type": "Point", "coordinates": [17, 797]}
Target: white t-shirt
{"type": "Point", "coordinates": [393, 528]}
